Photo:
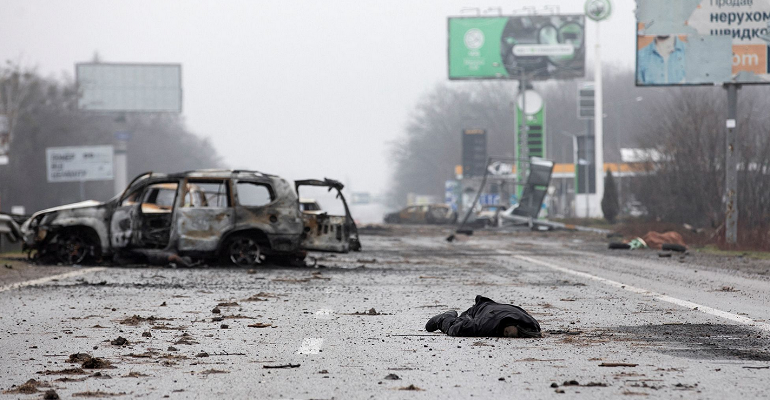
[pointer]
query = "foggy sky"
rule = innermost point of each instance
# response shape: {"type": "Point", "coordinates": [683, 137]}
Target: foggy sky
{"type": "Point", "coordinates": [303, 89]}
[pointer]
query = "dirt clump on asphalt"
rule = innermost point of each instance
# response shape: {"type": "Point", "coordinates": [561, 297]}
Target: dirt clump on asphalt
{"type": "Point", "coordinates": [50, 394]}
{"type": "Point", "coordinates": [97, 394]}
{"type": "Point", "coordinates": [410, 387]}
{"type": "Point", "coordinates": [261, 296]}
{"type": "Point", "coordinates": [66, 371]}
{"type": "Point", "coordinates": [136, 320]}
{"type": "Point", "coordinates": [187, 339]}
{"type": "Point", "coordinates": [259, 325]}
{"type": "Point", "coordinates": [78, 358]}
{"type": "Point", "coordinates": [371, 311]}
{"type": "Point", "coordinates": [228, 304]}
{"type": "Point", "coordinates": [119, 341]}
{"type": "Point", "coordinates": [88, 362]}
{"type": "Point", "coordinates": [27, 387]}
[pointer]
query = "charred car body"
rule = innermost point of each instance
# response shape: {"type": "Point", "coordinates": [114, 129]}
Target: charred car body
{"type": "Point", "coordinates": [423, 214]}
{"type": "Point", "coordinates": [236, 216]}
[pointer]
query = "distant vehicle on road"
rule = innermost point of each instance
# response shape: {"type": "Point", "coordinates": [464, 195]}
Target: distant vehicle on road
{"type": "Point", "coordinates": [423, 214]}
{"type": "Point", "coordinates": [237, 216]}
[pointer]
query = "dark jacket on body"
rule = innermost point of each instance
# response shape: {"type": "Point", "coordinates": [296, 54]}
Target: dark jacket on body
{"type": "Point", "coordinates": [487, 318]}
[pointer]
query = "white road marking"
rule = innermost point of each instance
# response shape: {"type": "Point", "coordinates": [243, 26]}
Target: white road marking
{"type": "Point", "coordinates": [324, 313]}
{"type": "Point", "coordinates": [657, 296]}
{"type": "Point", "coordinates": [311, 346]}
{"type": "Point", "coordinates": [50, 278]}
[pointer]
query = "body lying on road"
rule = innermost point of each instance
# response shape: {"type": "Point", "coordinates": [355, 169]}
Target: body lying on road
{"type": "Point", "coordinates": [486, 318]}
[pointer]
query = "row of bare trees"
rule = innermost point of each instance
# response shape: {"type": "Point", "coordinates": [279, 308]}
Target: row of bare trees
{"type": "Point", "coordinates": [43, 113]}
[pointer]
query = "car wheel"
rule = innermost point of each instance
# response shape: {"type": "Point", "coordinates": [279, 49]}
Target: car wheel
{"type": "Point", "coordinates": [73, 248]}
{"type": "Point", "coordinates": [243, 251]}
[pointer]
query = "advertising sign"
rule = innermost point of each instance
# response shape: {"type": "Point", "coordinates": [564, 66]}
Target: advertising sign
{"type": "Point", "coordinates": [697, 42]}
{"type": "Point", "coordinates": [540, 46]}
{"type": "Point", "coordinates": [76, 164]}
{"type": "Point", "coordinates": [129, 87]}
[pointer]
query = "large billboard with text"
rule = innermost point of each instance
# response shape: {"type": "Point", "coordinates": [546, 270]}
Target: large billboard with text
{"type": "Point", "coordinates": [539, 46]}
{"type": "Point", "coordinates": [697, 42]}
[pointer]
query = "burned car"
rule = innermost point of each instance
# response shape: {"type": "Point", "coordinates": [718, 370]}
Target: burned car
{"type": "Point", "coordinates": [239, 217]}
{"type": "Point", "coordinates": [423, 214]}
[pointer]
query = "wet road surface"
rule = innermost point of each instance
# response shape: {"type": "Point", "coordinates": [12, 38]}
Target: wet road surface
{"type": "Point", "coordinates": [352, 326]}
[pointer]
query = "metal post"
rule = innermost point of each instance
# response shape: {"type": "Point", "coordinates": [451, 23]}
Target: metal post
{"type": "Point", "coordinates": [731, 171]}
{"type": "Point", "coordinates": [121, 166]}
{"type": "Point", "coordinates": [523, 139]}
{"type": "Point", "coordinates": [598, 126]}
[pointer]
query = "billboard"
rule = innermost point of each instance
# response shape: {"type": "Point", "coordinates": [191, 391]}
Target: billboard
{"type": "Point", "coordinates": [540, 46]}
{"type": "Point", "coordinates": [129, 87]}
{"type": "Point", "coordinates": [77, 164]}
{"type": "Point", "coordinates": [702, 42]}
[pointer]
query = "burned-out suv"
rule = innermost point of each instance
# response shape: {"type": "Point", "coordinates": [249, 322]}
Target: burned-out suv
{"type": "Point", "coordinates": [236, 216]}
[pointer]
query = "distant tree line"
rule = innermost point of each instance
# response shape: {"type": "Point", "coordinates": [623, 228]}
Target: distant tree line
{"type": "Point", "coordinates": [43, 113]}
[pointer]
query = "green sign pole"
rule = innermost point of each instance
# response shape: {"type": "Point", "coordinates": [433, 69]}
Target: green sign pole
{"type": "Point", "coordinates": [534, 142]}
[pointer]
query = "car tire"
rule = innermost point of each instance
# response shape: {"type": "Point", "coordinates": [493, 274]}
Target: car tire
{"type": "Point", "coordinates": [242, 251]}
{"type": "Point", "coordinates": [73, 247]}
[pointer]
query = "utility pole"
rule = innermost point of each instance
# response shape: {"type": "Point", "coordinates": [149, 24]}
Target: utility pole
{"type": "Point", "coordinates": [523, 144]}
{"type": "Point", "coordinates": [731, 171]}
{"type": "Point", "coordinates": [598, 10]}
{"type": "Point", "coordinates": [598, 125]}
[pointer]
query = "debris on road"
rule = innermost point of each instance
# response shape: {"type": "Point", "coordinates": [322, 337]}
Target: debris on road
{"type": "Point", "coordinates": [604, 364]}
{"type": "Point", "coordinates": [119, 341]}
{"type": "Point", "coordinates": [96, 363]}
{"type": "Point", "coordinates": [50, 394]}
{"type": "Point", "coordinates": [202, 354]}
{"type": "Point", "coordinates": [97, 394]}
{"type": "Point", "coordinates": [281, 366]}
{"type": "Point", "coordinates": [371, 311]}
{"type": "Point", "coordinates": [392, 377]}
{"type": "Point", "coordinates": [27, 387]}
{"type": "Point", "coordinates": [259, 325]}
{"type": "Point", "coordinates": [410, 387]}
{"type": "Point", "coordinates": [216, 310]}
{"type": "Point", "coordinates": [136, 320]}
{"type": "Point", "coordinates": [146, 334]}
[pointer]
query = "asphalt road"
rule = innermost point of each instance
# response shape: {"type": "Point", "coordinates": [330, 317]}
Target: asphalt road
{"type": "Point", "coordinates": [617, 323]}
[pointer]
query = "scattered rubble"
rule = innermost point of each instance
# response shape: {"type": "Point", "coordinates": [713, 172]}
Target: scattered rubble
{"type": "Point", "coordinates": [281, 366]}
{"type": "Point", "coordinates": [119, 341]}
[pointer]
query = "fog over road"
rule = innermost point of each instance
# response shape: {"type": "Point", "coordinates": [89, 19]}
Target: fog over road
{"type": "Point", "coordinates": [619, 324]}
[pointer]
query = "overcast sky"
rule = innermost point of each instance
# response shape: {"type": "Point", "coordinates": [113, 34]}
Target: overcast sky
{"type": "Point", "coordinates": [303, 89]}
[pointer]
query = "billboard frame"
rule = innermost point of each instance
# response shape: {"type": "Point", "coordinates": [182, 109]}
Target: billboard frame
{"type": "Point", "coordinates": [519, 75]}
{"type": "Point", "coordinates": [130, 64]}
{"type": "Point", "coordinates": [718, 84]}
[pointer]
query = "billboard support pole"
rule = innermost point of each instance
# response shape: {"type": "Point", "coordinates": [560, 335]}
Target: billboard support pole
{"type": "Point", "coordinates": [731, 171]}
{"type": "Point", "coordinates": [598, 126]}
{"type": "Point", "coordinates": [121, 166]}
{"type": "Point", "coordinates": [523, 146]}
